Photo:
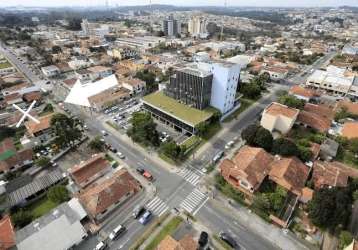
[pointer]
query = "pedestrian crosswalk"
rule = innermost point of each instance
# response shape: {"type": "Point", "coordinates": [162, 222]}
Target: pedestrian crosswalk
{"type": "Point", "coordinates": [194, 201]}
{"type": "Point", "coordinates": [190, 176]}
{"type": "Point", "coordinates": [157, 206]}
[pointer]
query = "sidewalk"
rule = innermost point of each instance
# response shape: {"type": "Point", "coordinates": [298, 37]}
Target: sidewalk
{"type": "Point", "coordinates": [268, 231]}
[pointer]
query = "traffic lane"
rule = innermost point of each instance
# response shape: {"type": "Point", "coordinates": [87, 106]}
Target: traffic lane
{"type": "Point", "coordinates": [219, 221]}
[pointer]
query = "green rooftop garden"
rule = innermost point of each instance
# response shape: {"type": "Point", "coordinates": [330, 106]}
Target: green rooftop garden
{"type": "Point", "coordinates": [180, 111]}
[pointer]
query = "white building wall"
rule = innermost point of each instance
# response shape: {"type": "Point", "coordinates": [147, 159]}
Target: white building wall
{"type": "Point", "coordinates": [225, 79]}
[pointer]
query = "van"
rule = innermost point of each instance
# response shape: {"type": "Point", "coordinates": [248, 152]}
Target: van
{"type": "Point", "coordinates": [117, 232]}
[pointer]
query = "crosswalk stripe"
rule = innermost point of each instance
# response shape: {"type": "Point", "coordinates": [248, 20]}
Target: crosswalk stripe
{"type": "Point", "coordinates": [152, 201]}
{"type": "Point", "coordinates": [162, 212]}
{"type": "Point", "coordinates": [194, 201]}
{"type": "Point", "coordinates": [193, 178]}
{"type": "Point", "coordinates": [188, 204]}
{"type": "Point", "coordinates": [195, 198]}
{"type": "Point", "coordinates": [197, 192]}
{"type": "Point", "coordinates": [158, 209]}
{"type": "Point", "coordinates": [189, 209]}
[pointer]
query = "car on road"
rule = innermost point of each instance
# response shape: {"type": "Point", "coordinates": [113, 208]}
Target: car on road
{"type": "Point", "coordinates": [100, 246]}
{"type": "Point", "coordinates": [113, 149]}
{"type": "Point", "coordinates": [147, 175]}
{"type": "Point", "coordinates": [228, 239]}
{"type": "Point", "coordinates": [145, 217]}
{"type": "Point", "coordinates": [104, 132]}
{"type": "Point", "coordinates": [118, 231]}
{"type": "Point", "coordinates": [229, 144]}
{"type": "Point", "coordinates": [218, 156]}
{"type": "Point", "coordinates": [138, 211]}
{"type": "Point", "coordinates": [140, 171]}
{"type": "Point", "coordinates": [120, 155]}
{"type": "Point", "coordinates": [203, 239]}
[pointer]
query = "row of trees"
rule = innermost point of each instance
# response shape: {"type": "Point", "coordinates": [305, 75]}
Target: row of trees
{"type": "Point", "coordinates": [254, 88]}
{"type": "Point", "coordinates": [143, 129]}
{"type": "Point", "coordinates": [149, 78]}
{"type": "Point", "coordinates": [258, 136]}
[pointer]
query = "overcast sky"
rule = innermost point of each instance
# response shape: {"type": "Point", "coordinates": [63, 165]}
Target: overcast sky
{"type": "Point", "coordinates": [283, 3]}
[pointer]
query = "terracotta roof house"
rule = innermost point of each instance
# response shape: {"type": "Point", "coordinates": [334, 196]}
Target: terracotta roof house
{"type": "Point", "coordinates": [331, 174]}
{"type": "Point", "coordinates": [248, 168]}
{"type": "Point", "coordinates": [302, 93]}
{"type": "Point", "coordinates": [315, 116]}
{"type": "Point", "coordinates": [36, 129]}
{"type": "Point", "coordinates": [103, 197]}
{"type": "Point", "coordinates": [7, 233]}
{"type": "Point", "coordinates": [89, 171]}
{"type": "Point", "coordinates": [186, 243]}
{"type": "Point", "coordinates": [350, 130]}
{"type": "Point", "coordinates": [32, 96]}
{"type": "Point", "coordinates": [289, 173]}
{"type": "Point", "coordinates": [352, 107]}
{"type": "Point", "coordinates": [278, 117]}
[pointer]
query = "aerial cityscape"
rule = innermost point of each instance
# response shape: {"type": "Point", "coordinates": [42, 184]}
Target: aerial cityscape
{"type": "Point", "coordinates": [183, 125]}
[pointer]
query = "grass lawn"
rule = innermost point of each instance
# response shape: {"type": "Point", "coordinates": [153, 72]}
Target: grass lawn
{"type": "Point", "coordinates": [191, 142]}
{"type": "Point", "coordinates": [168, 229]}
{"type": "Point", "coordinates": [245, 103]}
{"type": "Point", "coordinates": [5, 65]}
{"type": "Point", "coordinates": [167, 159]}
{"type": "Point", "coordinates": [347, 157]}
{"type": "Point", "coordinates": [41, 207]}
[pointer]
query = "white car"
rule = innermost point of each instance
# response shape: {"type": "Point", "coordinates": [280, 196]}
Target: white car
{"type": "Point", "coordinates": [120, 155]}
{"type": "Point", "coordinates": [104, 132]}
{"type": "Point", "coordinates": [116, 232]}
{"type": "Point", "coordinates": [229, 144]}
{"type": "Point", "coordinates": [100, 246]}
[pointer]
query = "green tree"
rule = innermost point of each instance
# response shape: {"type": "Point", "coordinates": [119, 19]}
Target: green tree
{"type": "Point", "coordinates": [249, 133]}
{"type": "Point", "coordinates": [6, 132]}
{"type": "Point", "coordinates": [66, 130]}
{"type": "Point", "coordinates": [284, 147]}
{"type": "Point", "coordinates": [143, 129]}
{"type": "Point", "coordinates": [330, 207]}
{"type": "Point", "coordinates": [173, 150]}
{"type": "Point", "coordinates": [149, 78]}
{"type": "Point", "coordinates": [345, 238]}
{"type": "Point", "coordinates": [291, 101]}
{"type": "Point", "coordinates": [58, 194]}
{"type": "Point", "coordinates": [48, 108]}
{"type": "Point", "coordinates": [263, 139]}
{"type": "Point", "coordinates": [261, 202]}
{"type": "Point", "coordinates": [21, 218]}
{"type": "Point", "coordinates": [96, 144]}
{"type": "Point", "coordinates": [305, 154]}
{"type": "Point", "coordinates": [250, 90]}
{"type": "Point", "coordinates": [43, 161]}
{"type": "Point", "coordinates": [277, 198]}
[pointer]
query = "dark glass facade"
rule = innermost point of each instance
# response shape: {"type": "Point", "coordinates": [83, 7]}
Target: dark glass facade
{"type": "Point", "coordinates": [191, 88]}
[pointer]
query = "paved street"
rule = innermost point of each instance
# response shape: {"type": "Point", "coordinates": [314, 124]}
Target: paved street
{"type": "Point", "coordinates": [177, 188]}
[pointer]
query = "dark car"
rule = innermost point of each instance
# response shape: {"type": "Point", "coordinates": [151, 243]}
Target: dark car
{"type": "Point", "coordinates": [203, 239]}
{"type": "Point", "coordinates": [138, 211]}
{"type": "Point", "coordinates": [140, 171]}
{"type": "Point", "coordinates": [229, 240]}
{"type": "Point", "coordinates": [112, 149]}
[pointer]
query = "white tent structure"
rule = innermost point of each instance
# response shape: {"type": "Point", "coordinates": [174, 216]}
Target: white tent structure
{"type": "Point", "coordinates": [80, 92]}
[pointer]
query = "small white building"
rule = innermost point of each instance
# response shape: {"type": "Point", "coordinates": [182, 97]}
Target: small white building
{"type": "Point", "coordinates": [50, 71]}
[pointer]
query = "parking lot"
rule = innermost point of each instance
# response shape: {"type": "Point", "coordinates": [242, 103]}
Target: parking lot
{"type": "Point", "coordinates": [121, 114]}
{"type": "Point", "coordinates": [167, 133]}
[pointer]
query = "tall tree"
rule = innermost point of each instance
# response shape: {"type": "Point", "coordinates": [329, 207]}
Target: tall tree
{"type": "Point", "coordinates": [66, 130]}
{"type": "Point", "coordinates": [143, 129]}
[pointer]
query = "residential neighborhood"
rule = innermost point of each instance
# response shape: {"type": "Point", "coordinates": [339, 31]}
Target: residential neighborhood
{"type": "Point", "coordinates": [179, 126]}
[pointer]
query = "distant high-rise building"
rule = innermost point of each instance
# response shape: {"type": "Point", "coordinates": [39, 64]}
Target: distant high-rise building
{"type": "Point", "coordinates": [197, 26]}
{"type": "Point", "coordinates": [191, 87]}
{"type": "Point", "coordinates": [171, 27]}
{"type": "Point", "coordinates": [85, 27]}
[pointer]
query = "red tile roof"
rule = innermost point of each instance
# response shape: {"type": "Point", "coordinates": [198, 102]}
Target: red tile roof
{"type": "Point", "coordinates": [7, 233]}
{"type": "Point", "coordinates": [352, 107]}
{"type": "Point", "coordinates": [301, 91]}
{"type": "Point", "coordinates": [33, 127]}
{"type": "Point", "coordinates": [100, 196]}
{"type": "Point", "coordinates": [350, 130]}
{"type": "Point", "coordinates": [276, 109]}
{"type": "Point", "coordinates": [251, 164]}
{"type": "Point", "coordinates": [314, 120]}
{"type": "Point", "coordinates": [289, 173]}
{"type": "Point", "coordinates": [84, 171]}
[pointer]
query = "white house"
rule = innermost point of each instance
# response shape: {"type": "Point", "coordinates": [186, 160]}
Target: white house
{"type": "Point", "coordinates": [50, 71]}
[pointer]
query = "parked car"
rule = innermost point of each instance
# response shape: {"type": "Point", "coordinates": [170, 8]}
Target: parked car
{"type": "Point", "coordinates": [120, 155]}
{"type": "Point", "coordinates": [228, 239]}
{"type": "Point", "coordinates": [104, 132]}
{"type": "Point", "coordinates": [138, 211]}
{"type": "Point", "coordinates": [229, 144]}
{"type": "Point", "coordinates": [113, 149]}
{"type": "Point", "coordinates": [100, 246]}
{"type": "Point", "coordinates": [145, 217]}
{"type": "Point", "coordinates": [117, 232]}
{"type": "Point", "coordinates": [203, 239]}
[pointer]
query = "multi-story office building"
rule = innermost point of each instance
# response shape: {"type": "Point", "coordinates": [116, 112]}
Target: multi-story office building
{"type": "Point", "coordinates": [197, 26]}
{"type": "Point", "coordinates": [191, 87]}
{"type": "Point", "coordinates": [171, 27]}
{"type": "Point", "coordinates": [226, 76]}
